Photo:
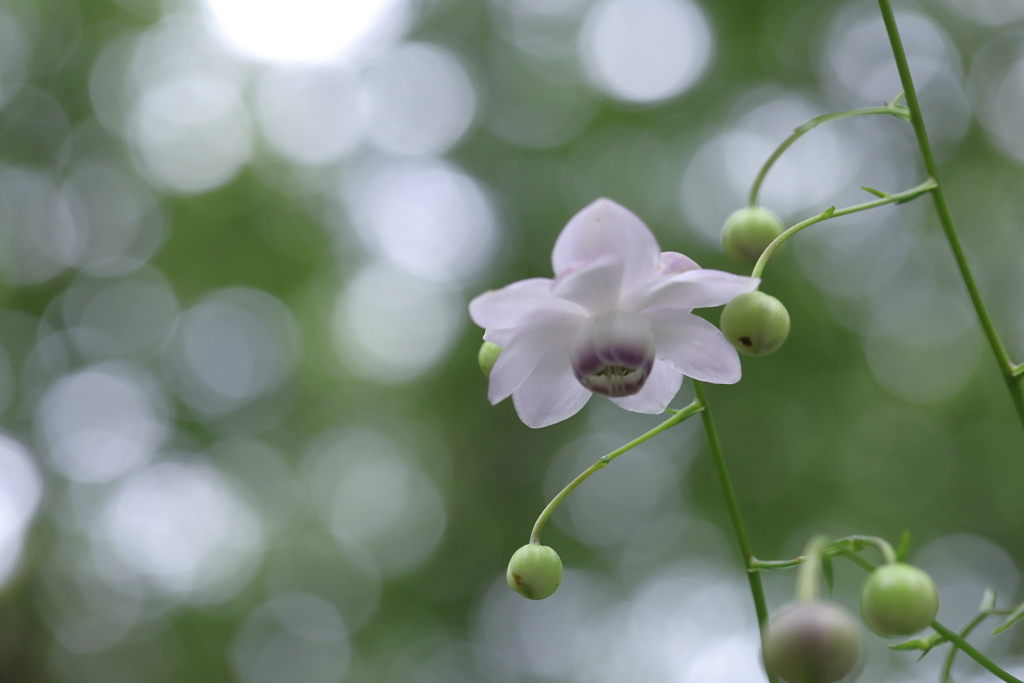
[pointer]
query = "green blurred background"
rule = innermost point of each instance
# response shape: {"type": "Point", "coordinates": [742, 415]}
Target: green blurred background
{"type": "Point", "coordinates": [245, 437]}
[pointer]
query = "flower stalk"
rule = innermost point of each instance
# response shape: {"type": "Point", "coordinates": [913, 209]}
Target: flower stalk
{"type": "Point", "coordinates": [1011, 372]}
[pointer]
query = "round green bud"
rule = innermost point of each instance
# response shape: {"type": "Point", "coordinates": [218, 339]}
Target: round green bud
{"type": "Point", "coordinates": [749, 231]}
{"type": "Point", "coordinates": [535, 571]}
{"type": "Point", "coordinates": [755, 323]}
{"type": "Point", "coordinates": [898, 600]}
{"type": "Point", "coordinates": [488, 356]}
{"type": "Point", "coordinates": [815, 642]}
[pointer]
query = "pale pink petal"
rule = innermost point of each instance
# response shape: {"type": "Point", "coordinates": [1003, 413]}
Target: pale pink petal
{"type": "Point", "coordinates": [661, 387]}
{"type": "Point", "coordinates": [551, 393]}
{"type": "Point", "coordinates": [693, 346]}
{"type": "Point", "coordinates": [696, 289]}
{"type": "Point", "coordinates": [605, 228]}
{"type": "Point", "coordinates": [500, 336]}
{"type": "Point", "coordinates": [595, 285]}
{"type": "Point", "coordinates": [513, 305]}
{"type": "Point", "coordinates": [548, 332]}
{"type": "Point", "coordinates": [673, 263]}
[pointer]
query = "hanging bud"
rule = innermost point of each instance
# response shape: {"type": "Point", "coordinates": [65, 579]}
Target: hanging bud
{"type": "Point", "coordinates": [755, 323]}
{"type": "Point", "coordinates": [811, 642]}
{"type": "Point", "coordinates": [748, 232]}
{"type": "Point", "coordinates": [898, 600]}
{"type": "Point", "coordinates": [488, 356]}
{"type": "Point", "coordinates": [535, 571]}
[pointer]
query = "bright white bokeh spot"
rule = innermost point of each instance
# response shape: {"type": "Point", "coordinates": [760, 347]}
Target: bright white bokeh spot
{"type": "Point", "coordinates": [645, 50]}
{"type": "Point", "coordinates": [183, 528]}
{"type": "Point", "coordinates": [310, 116]}
{"type": "Point", "coordinates": [233, 347]}
{"type": "Point", "coordinates": [389, 326]}
{"type": "Point", "coordinates": [294, 638]}
{"type": "Point", "coordinates": [427, 217]}
{"type": "Point", "coordinates": [101, 422]}
{"type": "Point", "coordinates": [371, 493]}
{"type": "Point", "coordinates": [21, 488]}
{"type": "Point", "coordinates": [306, 31]}
{"type": "Point", "coordinates": [192, 131]}
{"type": "Point", "coordinates": [417, 100]}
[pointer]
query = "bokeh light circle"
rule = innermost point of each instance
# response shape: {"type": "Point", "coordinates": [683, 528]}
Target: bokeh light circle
{"type": "Point", "coordinates": [391, 327]}
{"type": "Point", "coordinates": [427, 217]}
{"type": "Point", "coordinates": [418, 99]}
{"type": "Point", "coordinates": [305, 31]}
{"type": "Point", "coordinates": [645, 50]}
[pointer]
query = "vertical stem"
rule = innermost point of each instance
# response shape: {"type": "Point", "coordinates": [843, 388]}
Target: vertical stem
{"type": "Point", "coordinates": [753, 577]}
{"type": "Point", "coordinates": [1013, 382]}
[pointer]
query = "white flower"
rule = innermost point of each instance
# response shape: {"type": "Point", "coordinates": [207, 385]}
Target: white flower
{"type": "Point", "coordinates": [614, 321]}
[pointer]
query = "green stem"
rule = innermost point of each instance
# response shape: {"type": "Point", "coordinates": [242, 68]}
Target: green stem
{"type": "Point", "coordinates": [972, 652]}
{"type": "Point", "coordinates": [843, 546]}
{"type": "Point", "coordinates": [678, 417]}
{"type": "Point", "coordinates": [1009, 370]}
{"type": "Point", "coordinates": [807, 578]}
{"type": "Point", "coordinates": [753, 578]}
{"type": "Point", "coordinates": [892, 109]}
{"type": "Point", "coordinates": [947, 666]}
{"type": "Point", "coordinates": [905, 196]}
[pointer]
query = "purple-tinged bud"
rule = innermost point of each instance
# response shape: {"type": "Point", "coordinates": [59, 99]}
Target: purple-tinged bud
{"type": "Point", "coordinates": [815, 642]}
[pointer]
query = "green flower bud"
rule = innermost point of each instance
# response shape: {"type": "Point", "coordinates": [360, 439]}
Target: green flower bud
{"type": "Point", "coordinates": [535, 571]}
{"type": "Point", "coordinates": [748, 232]}
{"type": "Point", "coordinates": [898, 600]}
{"type": "Point", "coordinates": [755, 323]}
{"type": "Point", "coordinates": [814, 642]}
{"type": "Point", "coordinates": [488, 356]}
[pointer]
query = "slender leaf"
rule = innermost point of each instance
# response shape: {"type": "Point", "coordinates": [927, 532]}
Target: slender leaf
{"type": "Point", "coordinates": [877, 193]}
{"type": "Point", "coordinates": [1014, 617]}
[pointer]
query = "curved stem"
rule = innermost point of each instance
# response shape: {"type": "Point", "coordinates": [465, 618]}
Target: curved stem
{"type": "Point", "coordinates": [905, 196]}
{"type": "Point", "coordinates": [1010, 373]}
{"type": "Point", "coordinates": [892, 109]}
{"type": "Point", "coordinates": [753, 578]}
{"type": "Point", "coordinates": [880, 544]}
{"type": "Point", "coordinates": [973, 652]}
{"type": "Point", "coordinates": [678, 417]}
{"type": "Point", "coordinates": [807, 579]}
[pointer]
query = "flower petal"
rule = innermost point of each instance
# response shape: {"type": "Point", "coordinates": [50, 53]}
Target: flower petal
{"type": "Point", "coordinates": [513, 305]}
{"type": "Point", "coordinates": [673, 263]}
{"type": "Point", "coordinates": [661, 387]}
{"type": "Point", "coordinates": [604, 228]}
{"type": "Point", "coordinates": [501, 336]}
{"type": "Point", "coordinates": [595, 285]}
{"type": "Point", "coordinates": [548, 333]}
{"type": "Point", "coordinates": [697, 289]}
{"type": "Point", "coordinates": [693, 346]}
{"type": "Point", "coordinates": [551, 393]}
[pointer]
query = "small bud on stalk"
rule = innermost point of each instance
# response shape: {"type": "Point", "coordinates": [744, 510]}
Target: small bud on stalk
{"type": "Point", "coordinates": [898, 600]}
{"type": "Point", "coordinates": [535, 571]}
{"type": "Point", "coordinates": [488, 356]}
{"type": "Point", "coordinates": [755, 323]}
{"type": "Point", "coordinates": [748, 232]}
{"type": "Point", "coordinates": [811, 642]}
